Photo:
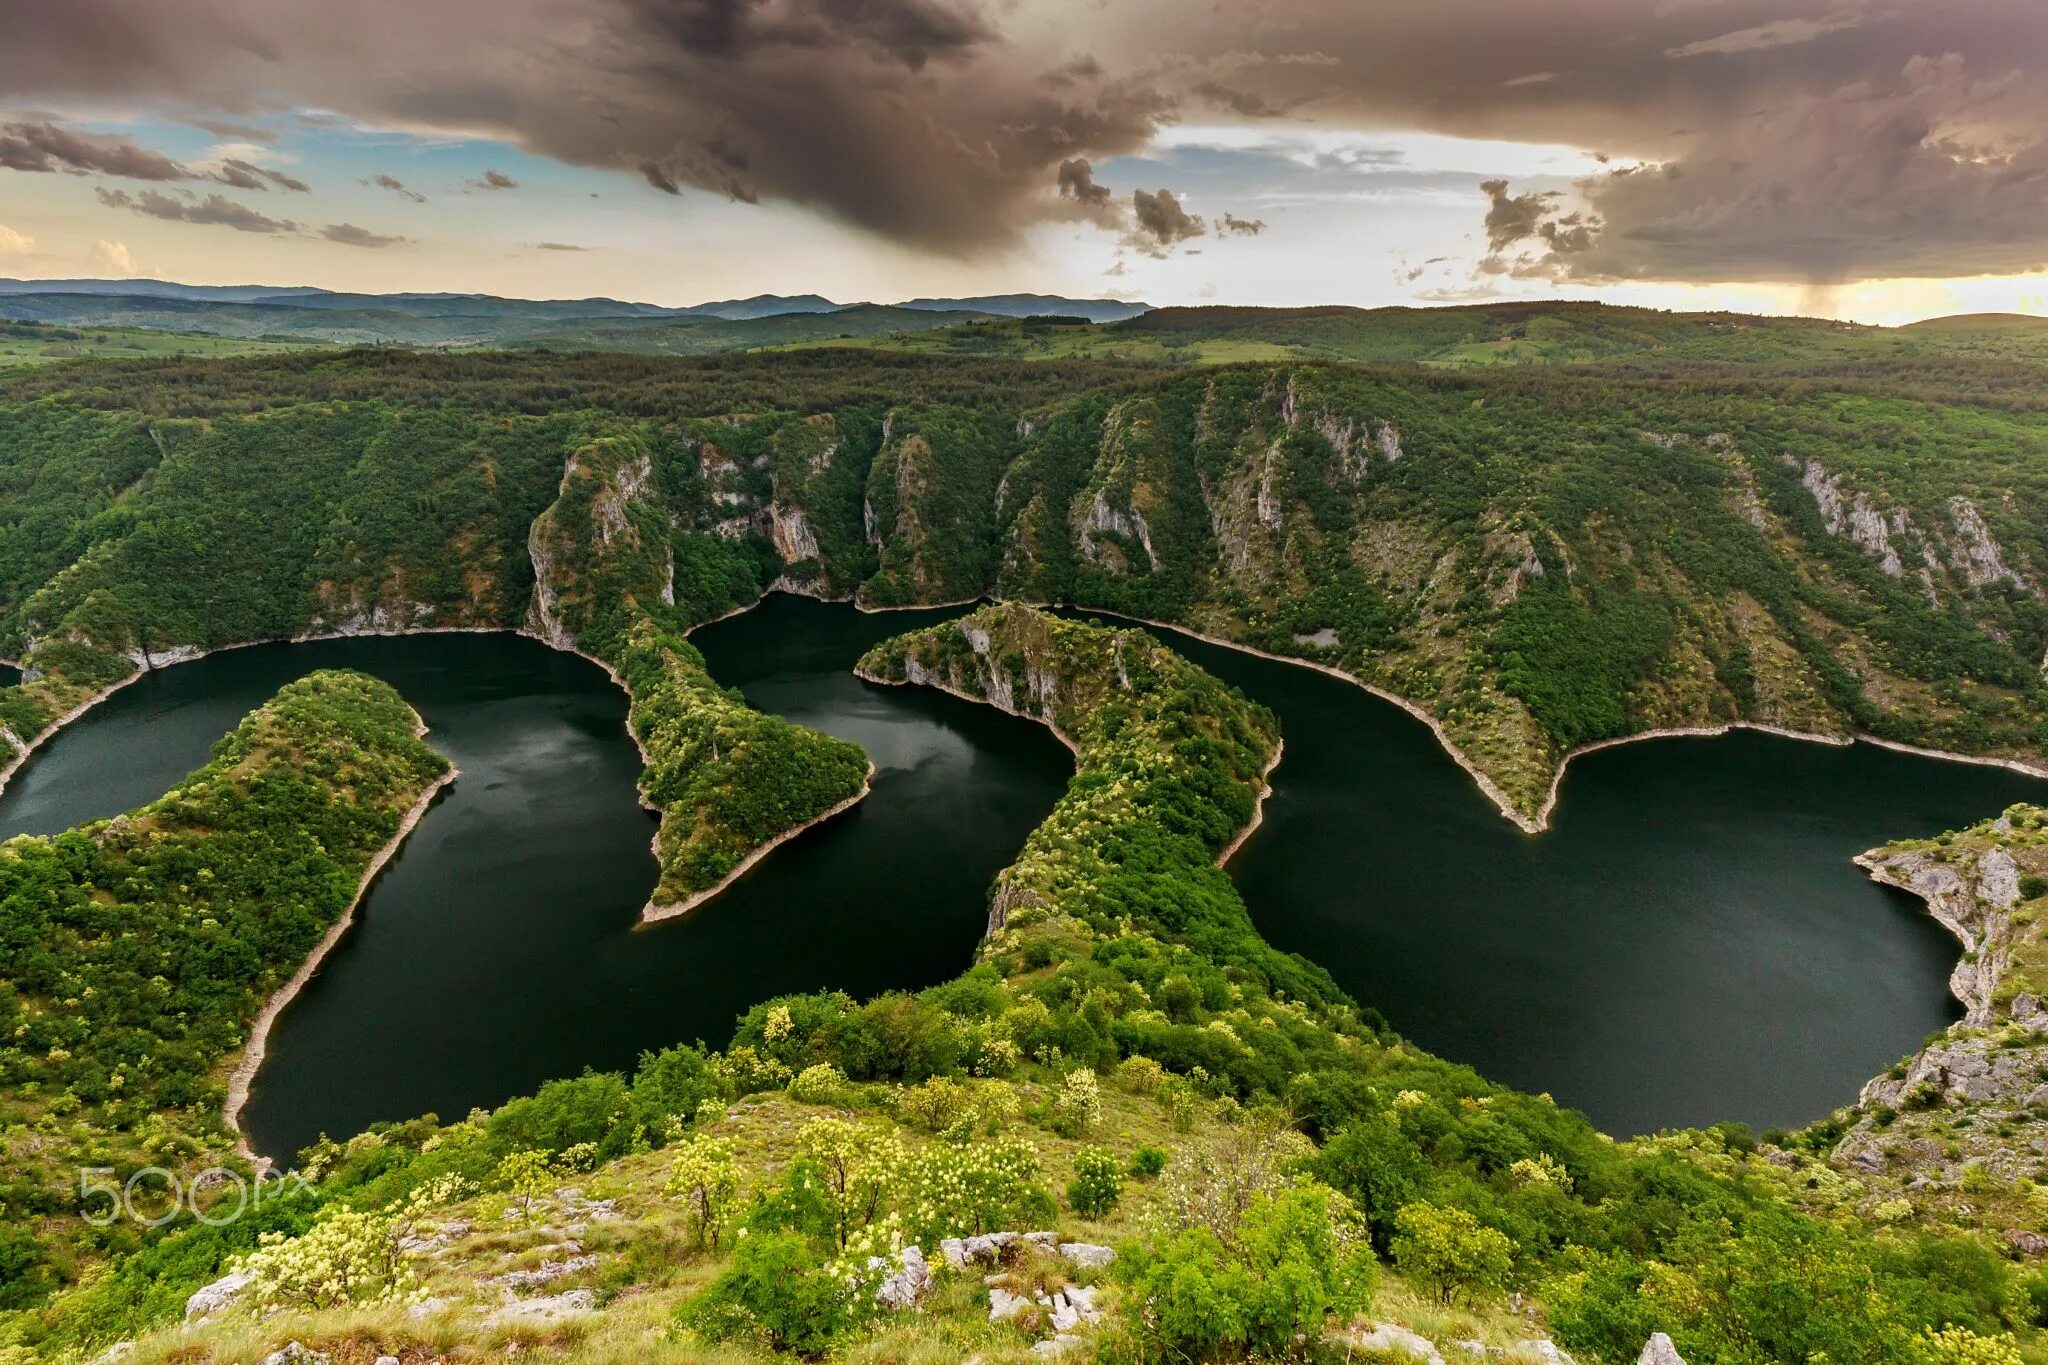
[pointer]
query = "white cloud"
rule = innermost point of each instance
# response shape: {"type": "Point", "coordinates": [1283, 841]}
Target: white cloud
{"type": "Point", "coordinates": [111, 258]}
{"type": "Point", "coordinates": [14, 243]}
{"type": "Point", "coordinates": [1392, 151]}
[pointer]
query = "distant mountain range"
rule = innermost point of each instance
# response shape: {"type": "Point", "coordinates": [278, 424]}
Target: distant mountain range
{"type": "Point", "coordinates": [308, 314]}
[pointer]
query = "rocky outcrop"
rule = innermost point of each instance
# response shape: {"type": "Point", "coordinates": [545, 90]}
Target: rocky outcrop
{"type": "Point", "coordinates": [1857, 517]}
{"type": "Point", "coordinates": [212, 1298]}
{"type": "Point", "coordinates": [1974, 554]}
{"type": "Point", "coordinates": [1976, 1097]}
{"type": "Point", "coordinates": [1658, 1350]}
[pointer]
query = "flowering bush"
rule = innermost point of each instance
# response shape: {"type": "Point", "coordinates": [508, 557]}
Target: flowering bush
{"type": "Point", "coordinates": [1079, 1104]}
{"type": "Point", "coordinates": [1097, 1184]}
{"type": "Point", "coordinates": [706, 1176]}
{"type": "Point", "coordinates": [953, 1191]}
{"type": "Point", "coordinates": [346, 1257]}
{"type": "Point", "coordinates": [847, 1170]}
{"type": "Point", "coordinates": [820, 1084]}
{"type": "Point", "coordinates": [1961, 1346]}
{"type": "Point", "coordinates": [526, 1178]}
{"type": "Point", "coordinates": [935, 1104]}
{"type": "Point", "coordinates": [1140, 1075]}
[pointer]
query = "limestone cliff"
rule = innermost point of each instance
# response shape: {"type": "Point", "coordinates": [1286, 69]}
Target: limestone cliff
{"type": "Point", "coordinates": [1962, 1125]}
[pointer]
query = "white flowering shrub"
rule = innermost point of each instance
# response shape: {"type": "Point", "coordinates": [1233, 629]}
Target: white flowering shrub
{"type": "Point", "coordinates": [1961, 1346]}
{"type": "Point", "coordinates": [705, 1175]}
{"type": "Point", "coordinates": [1140, 1075]}
{"type": "Point", "coordinates": [743, 1071]}
{"type": "Point", "coordinates": [964, 1190]}
{"type": "Point", "coordinates": [345, 1258]}
{"type": "Point", "coordinates": [1078, 1107]}
{"type": "Point", "coordinates": [1542, 1169]}
{"type": "Point", "coordinates": [849, 1169]}
{"type": "Point", "coordinates": [820, 1084]}
{"type": "Point", "coordinates": [526, 1178]}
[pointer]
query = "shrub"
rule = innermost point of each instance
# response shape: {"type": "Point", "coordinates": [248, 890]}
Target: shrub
{"type": "Point", "coordinates": [776, 1293]}
{"type": "Point", "coordinates": [820, 1084]}
{"type": "Point", "coordinates": [968, 1189]}
{"type": "Point", "coordinates": [1450, 1250]}
{"type": "Point", "coordinates": [1097, 1183]}
{"type": "Point", "coordinates": [347, 1257]}
{"type": "Point", "coordinates": [1147, 1161]}
{"type": "Point", "coordinates": [936, 1104]}
{"type": "Point", "coordinates": [1202, 1299]}
{"type": "Point", "coordinates": [2033, 886]}
{"type": "Point", "coordinates": [1140, 1075]}
{"type": "Point", "coordinates": [1961, 1346]}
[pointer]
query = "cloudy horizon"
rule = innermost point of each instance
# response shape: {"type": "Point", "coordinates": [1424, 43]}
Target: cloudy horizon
{"type": "Point", "coordinates": [1874, 159]}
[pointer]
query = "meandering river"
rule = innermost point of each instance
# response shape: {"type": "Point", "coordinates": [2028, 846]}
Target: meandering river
{"type": "Point", "coordinates": [1689, 943]}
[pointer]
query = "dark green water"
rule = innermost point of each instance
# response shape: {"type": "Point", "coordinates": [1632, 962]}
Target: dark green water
{"type": "Point", "coordinates": [1689, 943]}
{"type": "Point", "coordinates": [499, 948]}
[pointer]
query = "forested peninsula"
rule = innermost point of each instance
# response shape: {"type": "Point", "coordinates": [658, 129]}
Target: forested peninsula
{"type": "Point", "coordinates": [137, 954]}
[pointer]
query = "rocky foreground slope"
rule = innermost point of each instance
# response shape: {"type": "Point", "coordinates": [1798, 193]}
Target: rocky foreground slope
{"type": "Point", "coordinates": [1960, 1129]}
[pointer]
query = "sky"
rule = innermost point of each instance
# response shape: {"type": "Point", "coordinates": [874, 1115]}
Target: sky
{"type": "Point", "coordinates": [1882, 160]}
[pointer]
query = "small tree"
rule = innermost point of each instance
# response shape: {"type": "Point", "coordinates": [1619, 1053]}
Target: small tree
{"type": "Point", "coordinates": [775, 1292]}
{"type": "Point", "coordinates": [1097, 1183]}
{"type": "Point", "coordinates": [1079, 1105]}
{"type": "Point", "coordinates": [526, 1178]}
{"type": "Point", "coordinates": [706, 1176]}
{"type": "Point", "coordinates": [855, 1167]}
{"type": "Point", "coordinates": [1450, 1250]}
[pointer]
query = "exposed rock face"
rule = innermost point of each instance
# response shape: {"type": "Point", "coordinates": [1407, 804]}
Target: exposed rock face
{"type": "Point", "coordinates": [791, 533]}
{"type": "Point", "coordinates": [214, 1297]}
{"type": "Point", "coordinates": [1389, 438]}
{"type": "Point", "coordinates": [1977, 1095]}
{"type": "Point", "coordinates": [906, 1284]}
{"type": "Point", "coordinates": [1857, 517]}
{"type": "Point", "coordinates": [1973, 553]}
{"type": "Point", "coordinates": [1103, 520]}
{"type": "Point", "coordinates": [1394, 1340]}
{"type": "Point", "coordinates": [166, 655]}
{"type": "Point", "coordinates": [554, 1308]}
{"type": "Point", "coordinates": [1658, 1350]}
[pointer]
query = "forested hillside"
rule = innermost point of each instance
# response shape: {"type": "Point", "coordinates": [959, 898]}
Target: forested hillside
{"type": "Point", "coordinates": [1536, 560]}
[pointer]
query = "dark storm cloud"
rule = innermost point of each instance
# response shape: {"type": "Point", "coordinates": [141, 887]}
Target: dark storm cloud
{"type": "Point", "coordinates": [1077, 181]}
{"type": "Point", "coordinates": [916, 120]}
{"type": "Point", "coordinates": [1161, 222]}
{"type": "Point", "coordinates": [1792, 140]}
{"type": "Point", "coordinates": [560, 246]}
{"type": "Point", "coordinates": [396, 186]}
{"type": "Point", "coordinates": [348, 234]}
{"type": "Point", "coordinates": [40, 145]}
{"type": "Point", "coordinates": [494, 180]}
{"type": "Point", "coordinates": [213, 209]}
